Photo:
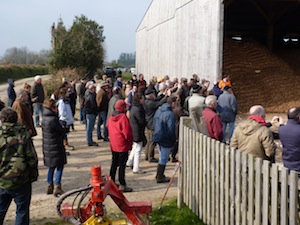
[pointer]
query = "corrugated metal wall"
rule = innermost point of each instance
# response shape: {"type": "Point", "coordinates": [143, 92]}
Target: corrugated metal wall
{"type": "Point", "coordinates": [180, 38]}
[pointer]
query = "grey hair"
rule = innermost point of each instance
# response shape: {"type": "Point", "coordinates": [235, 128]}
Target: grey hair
{"type": "Point", "coordinates": [257, 110]}
{"type": "Point", "coordinates": [21, 92]}
{"type": "Point", "coordinates": [210, 99]}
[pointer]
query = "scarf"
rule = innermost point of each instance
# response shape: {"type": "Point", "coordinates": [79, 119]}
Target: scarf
{"type": "Point", "coordinates": [258, 119]}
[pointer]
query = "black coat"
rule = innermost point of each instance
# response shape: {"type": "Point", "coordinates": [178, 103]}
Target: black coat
{"type": "Point", "coordinates": [137, 122]}
{"type": "Point", "coordinates": [90, 104]}
{"type": "Point", "coordinates": [53, 148]}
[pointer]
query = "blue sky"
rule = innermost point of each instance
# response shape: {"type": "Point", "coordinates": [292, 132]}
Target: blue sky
{"type": "Point", "coordinates": [27, 23]}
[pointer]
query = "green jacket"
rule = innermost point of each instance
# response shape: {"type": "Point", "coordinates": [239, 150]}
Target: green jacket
{"type": "Point", "coordinates": [252, 137]}
{"type": "Point", "coordinates": [18, 158]}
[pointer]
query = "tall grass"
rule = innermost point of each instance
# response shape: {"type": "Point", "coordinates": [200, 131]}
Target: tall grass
{"type": "Point", "coordinates": [169, 214]}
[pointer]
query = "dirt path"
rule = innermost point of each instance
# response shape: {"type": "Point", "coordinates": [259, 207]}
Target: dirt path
{"type": "Point", "coordinates": [76, 174]}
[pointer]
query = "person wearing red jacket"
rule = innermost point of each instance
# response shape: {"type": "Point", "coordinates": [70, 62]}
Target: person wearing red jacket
{"type": "Point", "coordinates": [212, 119]}
{"type": "Point", "coordinates": [121, 140]}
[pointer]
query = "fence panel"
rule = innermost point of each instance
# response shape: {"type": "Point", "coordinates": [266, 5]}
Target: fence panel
{"type": "Point", "coordinates": [213, 184]}
{"type": "Point", "coordinates": [244, 189]}
{"type": "Point", "coordinates": [198, 172]}
{"type": "Point", "coordinates": [284, 196]}
{"type": "Point", "coordinates": [208, 179]}
{"type": "Point", "coordinates": [266, 192]}
{"type": "Point", "coordinates": [232, 186]}
{"type": "Point", "coordinates": [238, 188]}
{"type": "Point", "coordinates": [293, 184]}
{"type": "Point", "coordinates": [251, 185]}
{"type": "Point", "coordinates": [217, 181]}
{"type": "Point", "coordinates": [274, 192]}
{"type": "Point", "coordinates": [201, 171]}
{"type": "Point", "coordinates": [227, 184]}
{"type": "Point", "coordinates": [222, 185]}
{"type": "Point", "coordinates": [226, 187]}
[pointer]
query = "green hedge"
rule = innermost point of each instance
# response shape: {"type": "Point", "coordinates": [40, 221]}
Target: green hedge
{"type": "Point", "coordinates": [20, 71]}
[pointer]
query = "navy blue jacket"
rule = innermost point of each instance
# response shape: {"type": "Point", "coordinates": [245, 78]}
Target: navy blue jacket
{"type": "Point", "coordinates": [164, 126]}
{"type": "Point", "coordinates": [289, 135]}
{"type": "Point", "coordinates": [11, 92]}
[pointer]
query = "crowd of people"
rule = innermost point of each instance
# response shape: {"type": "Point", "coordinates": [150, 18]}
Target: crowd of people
{"type": "Point", "coordinates": [132, 116]}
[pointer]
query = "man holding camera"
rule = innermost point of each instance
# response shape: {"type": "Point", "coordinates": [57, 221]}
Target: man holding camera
{"type": "Point", "coordinates": [289, 135]}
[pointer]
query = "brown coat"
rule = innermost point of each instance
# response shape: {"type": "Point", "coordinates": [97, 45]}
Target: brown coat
{"type": "Point", "coordinates": [102, 100]}
{"type": "Point", "coordinates": [24, 116]}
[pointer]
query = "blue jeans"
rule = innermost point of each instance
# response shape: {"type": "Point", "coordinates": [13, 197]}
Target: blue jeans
{"type": "Point", "coordinates": [164, 153]}
{"type": "Point", "coordinates": [37, 110]}
{"type": "Point", "coordinates": [22, 198]}
{"type": "Point", "coordinates": [90, 123]}
{"type": "Point", "coordinates": [82, 115]}
{"type": "Point", "coordinates": [58, 175]}
{"type": "Point", "coordinates": [231, 129]}
{"type": "Point", "coordinates": [102, 120]}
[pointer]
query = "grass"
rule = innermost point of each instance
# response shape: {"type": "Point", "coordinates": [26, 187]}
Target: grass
{"type": "Point", "coordinates": [169, 214]}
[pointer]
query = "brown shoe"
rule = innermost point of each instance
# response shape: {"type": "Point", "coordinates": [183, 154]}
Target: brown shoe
{"type": "Point", "coordinates": [58, 191]}
{"type": "Point", "coordinates": [69, 147]}
{"type": "Point", "coordinates": [50, 189]}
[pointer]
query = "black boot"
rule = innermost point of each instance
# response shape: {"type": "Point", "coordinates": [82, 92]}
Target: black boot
{"type": "Point", "coordinates": [160, 177]}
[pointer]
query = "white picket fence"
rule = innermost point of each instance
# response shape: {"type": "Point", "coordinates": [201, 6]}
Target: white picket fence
{"type": "Point", "coordinates": [224, 186]}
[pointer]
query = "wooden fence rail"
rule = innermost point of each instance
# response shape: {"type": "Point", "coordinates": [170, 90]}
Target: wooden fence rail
{"type": "Point", "coordinates": [224, 186]}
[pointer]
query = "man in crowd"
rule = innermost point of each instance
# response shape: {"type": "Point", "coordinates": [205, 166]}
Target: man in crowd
{"type": "Point", "coordinates": [11, 94]}
{"type": "Point", "coordinates": [142, 82]}
{"type": "Point", "coordinates": [81, 91]}
{"type": "Point", "coordinates": [118, 82]}
{"type": "Point", "coordinates": [196, 102]}
{"type": "Point", "coordinates": [20, 158]}
{"type": "Point", "coordinates": [289, 135]}
{"type": "Point", "coordinates": [253, 136]}
{"type": "Point", "coordinates": [151, 104]}
{"type": "Point", "coordinates": [212, 119]}
{"type": "Point", "coordinates": [117, 95]}
{"type": "Point", "coordinates": [164, 135]}
{"type": "Point", "coordinates": [102, 103]}
{"type": "Point", "coordinates": [91, 110]}
{"type": "Point", "coordinates": [228, 112]}
{"type": "Point", "coordinates": [38, 97]}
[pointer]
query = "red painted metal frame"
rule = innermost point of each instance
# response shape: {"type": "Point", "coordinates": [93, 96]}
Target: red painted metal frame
{"type": "Point", "coordinates": [103, 186]}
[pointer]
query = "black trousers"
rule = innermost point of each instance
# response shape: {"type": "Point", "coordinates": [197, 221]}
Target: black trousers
{"type": "Point", "coordinates": [119, 159]}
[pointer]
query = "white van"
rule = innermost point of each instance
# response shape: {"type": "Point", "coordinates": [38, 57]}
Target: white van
{"type": "Point", "coordinates": [133, 70]}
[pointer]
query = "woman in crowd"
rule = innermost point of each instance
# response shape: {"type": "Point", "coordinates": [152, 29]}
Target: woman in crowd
{"type": "Point", "coordinates": [138, 124]}
{"type": "Point", "coordinates": [53, 148]}
{"type": "Point", "coordinates": [65, 114]}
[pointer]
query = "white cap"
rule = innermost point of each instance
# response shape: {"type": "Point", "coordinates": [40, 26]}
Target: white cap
{"type": "Point", "coordinates": [37, 77]}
